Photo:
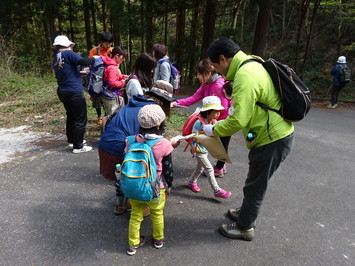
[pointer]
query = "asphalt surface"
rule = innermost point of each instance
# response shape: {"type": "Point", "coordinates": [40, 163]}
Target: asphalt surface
{"type": "Point", "coordinates": [56, 209]}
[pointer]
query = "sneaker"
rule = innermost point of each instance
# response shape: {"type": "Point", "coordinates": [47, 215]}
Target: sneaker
{"type": "Point", "coordinates": [221, 193]}
{"type": "Point", "coordinates": [233, 213]}
{"type": "Point", "coordinates": [99, 121]}
{"type": "Point", "coordinates": [194, 187]}
{"type": "Point", "coordinates": [159, 243]}
{"type": "Point", "coordinates": [71, 145]}
{"type": "Point", "coordinates": [133, 250]}
{"type": "Point", "coordinates": [332, 106]}
{"type": "Point", "coordinates": [232, 231]}
{"type": "Point", "coordinates": [83, 149]}
{"type": "Point", "coordinates": [220, 172]}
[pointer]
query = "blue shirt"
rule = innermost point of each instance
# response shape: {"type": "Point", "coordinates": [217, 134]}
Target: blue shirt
{"type": "Point", "coordinates": [125, 123]}
{"type": "Point", "coordinates": [67, 73]}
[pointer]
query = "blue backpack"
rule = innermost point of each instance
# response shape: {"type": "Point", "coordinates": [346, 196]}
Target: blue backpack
{"type": "Point", "coordinates": [174, 76]}
{"type": "Point", "coordinates": [138, 171]}
{"type": "Point", "coordinates": [95, 77]}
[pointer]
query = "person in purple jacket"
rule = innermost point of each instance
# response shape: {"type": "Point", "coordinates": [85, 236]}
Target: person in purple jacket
{"type": "Point", "coordinates": [212, 84]}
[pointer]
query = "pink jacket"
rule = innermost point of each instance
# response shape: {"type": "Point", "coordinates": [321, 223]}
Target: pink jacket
{"type": "Point", "coordinates": [112, 74]}
{"type": "Point", "coordinates": [212, 89]}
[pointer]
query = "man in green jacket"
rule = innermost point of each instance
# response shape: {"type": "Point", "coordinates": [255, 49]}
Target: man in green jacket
{"type": "Point", "coordinates": [268, 136]}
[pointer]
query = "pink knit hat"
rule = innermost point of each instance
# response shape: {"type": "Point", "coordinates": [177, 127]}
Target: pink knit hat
{"type": "Point", "coordinates": [151, 116]}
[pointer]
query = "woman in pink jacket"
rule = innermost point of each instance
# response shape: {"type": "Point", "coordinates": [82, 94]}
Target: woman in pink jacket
{"type": "Point", "coordinates": [212, 85]}
{"type": "Point", "coordinates": [113, 81]}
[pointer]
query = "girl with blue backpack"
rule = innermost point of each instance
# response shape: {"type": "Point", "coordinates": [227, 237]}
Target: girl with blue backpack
{"type": "Point", "coordinates": [151, 119]}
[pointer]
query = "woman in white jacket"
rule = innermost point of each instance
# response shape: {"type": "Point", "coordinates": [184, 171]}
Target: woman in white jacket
{"type": "Point", "coordinates": [140, 80]}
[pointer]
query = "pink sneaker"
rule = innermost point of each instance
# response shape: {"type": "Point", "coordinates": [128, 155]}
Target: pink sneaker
{"type": "Point", "coordinates": [221, 193]}
{"type": "Point", "coordinates": [220, 172]}
{"type": "Point", "coordinates": [194, 187]}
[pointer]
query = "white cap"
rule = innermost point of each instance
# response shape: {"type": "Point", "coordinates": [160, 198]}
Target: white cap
{"type": "Point", "coordinates": [342, 60]}
{"type": "Point", "coordinates": [211, 103]}
{"type": "Point", "coordinates": [63, 41]}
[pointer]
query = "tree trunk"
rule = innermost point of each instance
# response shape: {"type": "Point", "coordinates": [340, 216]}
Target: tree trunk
{"type": "Point", "coordinates": [309, 36]}
{"type": "Point", "coordinates": [193, 38]}
{"type": "Point", "coordinates": [129, 34]}
{"type": "Point", "coordinates": [87, 24]}
{"type": "Point", "coordinates": [303, 13]}
{"type": "Point", "coordinates": [180, 33]}
{"type": "Point", "coordinates": [209, 20]}
{"type": "Point", "coordinates": [148, 26]}
{"type": "Point", "coordinates": [262, 27]}
{"type": "Point", "coordinates": [93, 18]}
{"type": "Point", "coordinates": [104, 15]}
{"type": "Point", "coordinates": [71, 28]}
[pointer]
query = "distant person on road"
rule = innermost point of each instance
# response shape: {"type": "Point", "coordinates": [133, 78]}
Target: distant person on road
{"type": "Point", "coordinates": [151, 120]}
{"type": "Point", "coordinates": [209, 113]}
{"type": "Point", "coordinates": [104, 48]}
{"type": "Point", "coordinates": [212, 83]}
{"type": "Point", "coordinates": [268, 136]}
{"type": "Point", "coordinates": [70, 91]}
{"type": "Point", "coordinates": [141, 79]}
{"type": "Point", "coordinates": [341, 76]}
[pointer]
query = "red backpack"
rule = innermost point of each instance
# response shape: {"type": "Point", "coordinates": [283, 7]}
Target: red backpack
{"type": "Point", "coordinates": [189, 123]}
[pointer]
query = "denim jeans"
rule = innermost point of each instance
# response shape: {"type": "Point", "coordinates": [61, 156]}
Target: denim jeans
{"type": "Point", "coordinates": [75, 106]}
{"type": "Point", "coordinates": [263, 162]}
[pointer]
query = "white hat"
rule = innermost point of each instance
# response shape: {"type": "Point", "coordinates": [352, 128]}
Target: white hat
{"type": "Point", "coordinates": [63, 41]}
{"type": "Point", "coordinates": [211, 103]}
{"type": "Point", "coordinates": [151, 115]}
{"type": "Point", "coordinates": [342, 60]}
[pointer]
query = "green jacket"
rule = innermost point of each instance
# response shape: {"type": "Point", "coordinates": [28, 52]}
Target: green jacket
{"type": "Point", "coordinates": [252, 83]}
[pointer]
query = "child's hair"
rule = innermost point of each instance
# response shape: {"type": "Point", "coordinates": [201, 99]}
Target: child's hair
{"type": "Point", "coordinates": [205, 67]}
{"type": "Point", "coordinates": [205, 113]}
{"type": "Point", "coordinates": [106, 37]}
{"type": "Point", "coordinates": [143, 68]}
{"type": "Point", "coordinates": [164, 104]}
{"type": "Point", "coordinates": [118, 50]}
{"type": "Point", "coordinates": [160, 50]}
{"type": "Point", "coordinates": [153, 130]}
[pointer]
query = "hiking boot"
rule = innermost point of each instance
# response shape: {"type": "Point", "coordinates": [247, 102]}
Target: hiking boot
{"type": "Point", "coordinates": [119, 209]}
{"type": "Point", "coordinates": [159, 243]}
{"type": "Point", "coordinates": [221, 193]}
{"type": "Point", "coordinates": [146, 211]}
{"type": "Point", "coordinates": [194, 187]}
{"type": "Point", "coordinates": [133, 250]}
{"type": "Point", "coordinates": [71, 145]}
{"type": "Point", "coordinates": [232, 231]}
{"type": "Point", "coordinates": [83, 149]}
{"type": "Point", "coordinates": [233, 213]}
{"type": "Point", "coordinates": [99, 121]}
{"type": "Point", "coordinates": [220, 172]}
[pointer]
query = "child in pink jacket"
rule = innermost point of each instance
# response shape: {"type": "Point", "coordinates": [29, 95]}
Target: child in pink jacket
{"type": "Point", "coordinates": [211, 85]}
{"type": "Point", "coordinates": [113, 81]}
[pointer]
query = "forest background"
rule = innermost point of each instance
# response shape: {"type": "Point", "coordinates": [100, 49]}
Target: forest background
{"type": "Point", "coordinates": [307, 35]}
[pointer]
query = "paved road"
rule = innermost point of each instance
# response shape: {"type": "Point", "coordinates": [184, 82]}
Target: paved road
{"type": "Point", "coordinates": [57, 210]}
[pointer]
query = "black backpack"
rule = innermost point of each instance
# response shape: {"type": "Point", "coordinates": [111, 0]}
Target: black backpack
{"type": "Point", "coordinates": [295, 96]}
{"type": "Point", "coordinates": [345, 74]}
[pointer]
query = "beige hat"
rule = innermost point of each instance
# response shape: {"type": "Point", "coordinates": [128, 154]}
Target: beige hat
{"type": "Point", "coordinates": [164, 89]}
{"type": "Point", "coordinates": [151, 116]}
{"type": "Point", "coordinates": [211, 103]}
{"type": "Point", "coordinates": [63, 41]}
